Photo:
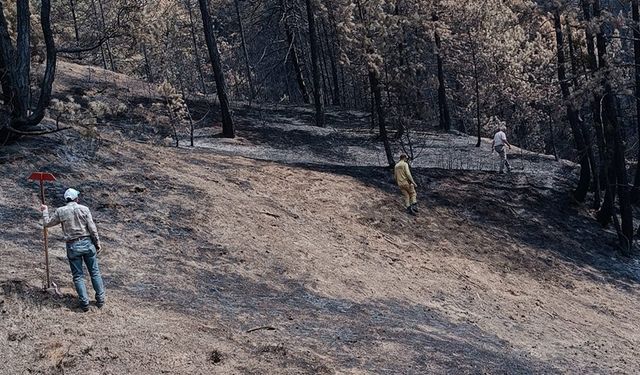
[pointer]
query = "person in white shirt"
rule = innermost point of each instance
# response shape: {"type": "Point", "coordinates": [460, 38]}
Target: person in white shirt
{"type": "Point", "coordinates": [83, 245]}
{"type": "Point", "coordinates": [498, 144]}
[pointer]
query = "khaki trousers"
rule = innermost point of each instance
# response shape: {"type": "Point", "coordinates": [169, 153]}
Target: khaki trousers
{"type": "Point", "coordinates": [409, 194]}
{"type": "Point", "coordinates": [502, 152]}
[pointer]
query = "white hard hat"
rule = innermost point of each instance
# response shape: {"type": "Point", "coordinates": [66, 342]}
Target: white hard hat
{"type": "Point", "coordinates": [71, 194]}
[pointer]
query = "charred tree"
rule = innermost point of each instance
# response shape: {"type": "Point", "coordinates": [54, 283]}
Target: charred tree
{"type": "Point", "coordinates": [315, 64]}
{"type": "Point", "coordinates": [582, 189]}
{"type": "Point", "coordinates": [443, 106]}
{"type": "Point", "coordinates": [19, 114]}
{"type": "Point", "coordinates": [617, 180]}
{"type": "Point", "coordinates": [293, 52]}
{"type": "Point", "coordinates": [196, 50]}
{"type": "Point", "coordinates": [635, 193]}
{"type": "Point", "coordinates": [245, 53]}
{"type": "Point", "coordinates": [595, 109]}
{"type": "Point", "coordinates": [218, 74]}
{"type": "Point", "coordinates": [376, 92]}
{"type": "Point", "coordinates": [586, 133]}
{"type": "Point", "coordinates": [474, 60]}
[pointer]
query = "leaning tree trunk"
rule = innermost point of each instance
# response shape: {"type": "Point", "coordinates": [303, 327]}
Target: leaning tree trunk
{"type": "Point", "coordinates": [94, 8]}
{"type": "Point", "coordinates": [107, 44]}
{"type": "Point", "coordinates": [315, 65]}
{"type": "Point", "coordinates": [247, 64]}
{"type": "Point", "coordinates": [580, 193]}
{"type": "Point", "coordinates": [196, 50]}
{"type": "Point", "coordinates": [218, 74]}
{"type": "Point", "coordinates": [72, 7]}
{"type": "Point", "coordinates": [293, 51]}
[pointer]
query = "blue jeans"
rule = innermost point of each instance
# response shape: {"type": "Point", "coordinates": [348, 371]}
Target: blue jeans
{"type": "Point", "coordinates": [77, 252]}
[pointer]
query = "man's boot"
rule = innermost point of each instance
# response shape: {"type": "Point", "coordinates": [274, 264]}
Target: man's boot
{"type": "Point", "coordinates": [410, 211]}
{"type": "Point", "coordinates": [414, 208]}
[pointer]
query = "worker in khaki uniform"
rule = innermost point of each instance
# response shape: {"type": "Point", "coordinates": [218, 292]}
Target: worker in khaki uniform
{"type": "Point", "coordinates": [407, 185]}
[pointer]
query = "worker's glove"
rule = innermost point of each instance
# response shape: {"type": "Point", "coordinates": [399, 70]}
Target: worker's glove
{"type": "Point", "coordinates": [98, 249]}
{"type": "Point", "coordinates": [44, 208]}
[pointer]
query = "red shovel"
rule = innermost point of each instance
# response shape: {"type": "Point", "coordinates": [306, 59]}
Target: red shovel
{"type": "Point", "coordinates": [43, 176]}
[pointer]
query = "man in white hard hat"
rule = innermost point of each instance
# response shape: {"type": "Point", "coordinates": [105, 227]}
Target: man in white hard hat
{"type": "Point", "coordinates": [498, 144]}
{"type": "Point", "coordinates": [83, 245]}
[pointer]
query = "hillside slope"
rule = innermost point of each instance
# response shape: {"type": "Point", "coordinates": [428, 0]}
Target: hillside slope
{"type": "Point", "coordinates": [217, 263]}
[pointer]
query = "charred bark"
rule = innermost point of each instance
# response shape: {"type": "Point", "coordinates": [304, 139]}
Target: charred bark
{"type": "Point", "coordinates": [374, 81]}
{"type": "Point", "coordinates": [315, 65]}
{"type": "Point", "coordinates": [443, 106]}
{"type": "Point", "coordinates": [582, 189]}
{"type": "Point", "coordinates": [218, 74]}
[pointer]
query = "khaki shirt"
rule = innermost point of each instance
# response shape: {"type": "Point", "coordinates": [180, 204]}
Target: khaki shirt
{"type": "Point", "coordinates": [76, 222]}
{"type": "Point", "coordinates": [402, 173]}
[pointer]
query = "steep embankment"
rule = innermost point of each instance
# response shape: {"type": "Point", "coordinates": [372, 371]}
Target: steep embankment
{"type": "Point", "coordinates": [496, 275]}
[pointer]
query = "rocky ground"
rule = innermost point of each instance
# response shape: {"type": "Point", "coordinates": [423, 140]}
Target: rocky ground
{"type": "Point", "coordinates": [278, 253]}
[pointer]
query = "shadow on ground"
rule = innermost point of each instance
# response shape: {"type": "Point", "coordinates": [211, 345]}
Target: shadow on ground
{"type": "Point", "coordinates": [508, 208]}
{"type": "Point", "coordinates": [377, 336]}
{"type": "Point", "coordinates": [38, 296]}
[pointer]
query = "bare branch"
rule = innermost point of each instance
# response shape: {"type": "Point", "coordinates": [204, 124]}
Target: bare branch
{"type": "Point", "coordinates": [98, 44]}
{"type": "Point", "coordinates": [34, 133]}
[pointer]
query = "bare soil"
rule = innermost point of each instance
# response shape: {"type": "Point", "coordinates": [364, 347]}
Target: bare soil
{"type": "Point", "coordinates": [219, 261]}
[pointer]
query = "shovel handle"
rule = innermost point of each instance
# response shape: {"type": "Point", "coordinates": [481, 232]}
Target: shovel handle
{"type": "Point", "coordinates": [44, 235]}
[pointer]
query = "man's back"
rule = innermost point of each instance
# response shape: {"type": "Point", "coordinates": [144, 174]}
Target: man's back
{"type": "Point", "coordinates": [76, 221]}
{"type": "Point", "coordinates": [402, 173]}
{"type": "Point", "coordinates": [499, 139]}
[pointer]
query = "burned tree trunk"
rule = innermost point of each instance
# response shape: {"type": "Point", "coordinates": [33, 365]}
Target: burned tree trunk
{"type": "Point", "coordinates": [635, 193]}
{"type": "Point", "coordinates": [581, 190]}
{"type": "Point", "coordinates": [293, 51]}
{"type": "Point", "coordinates": [443, 106]}
{"type": "Point", "coordinates": [74, 18]}
{"type": "Point", "coordinates": [245, 53]}
{"type": "Point", "coordinates": [601, 174]}
{"type": "Point", "coordinates": [336, 100]}
{"type": "Point", "coordinates": [617, 181]}
{"type": "Point", "coordinates": [586, 133]}
{"type": "Point", "coordinates": [374, 81]}
{"type": "Point", "coordinates": [218, 74]}
{"type": "Point", "coordinates": [474, 60]}
{"type": "Point", "coordinates": [20, 113]}
{"type": "Point", "coordinates": [315, 64]}
{"type": "Point", "coordinates": [196, 50]}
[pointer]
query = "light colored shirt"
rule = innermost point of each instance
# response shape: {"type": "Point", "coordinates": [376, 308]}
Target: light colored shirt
{"type": "Point", "coordinates": [76, 222]}
{"type": "Point", "coordinates": [500, 139]}
{"type": "Point", "coordinates": [402, 173]}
